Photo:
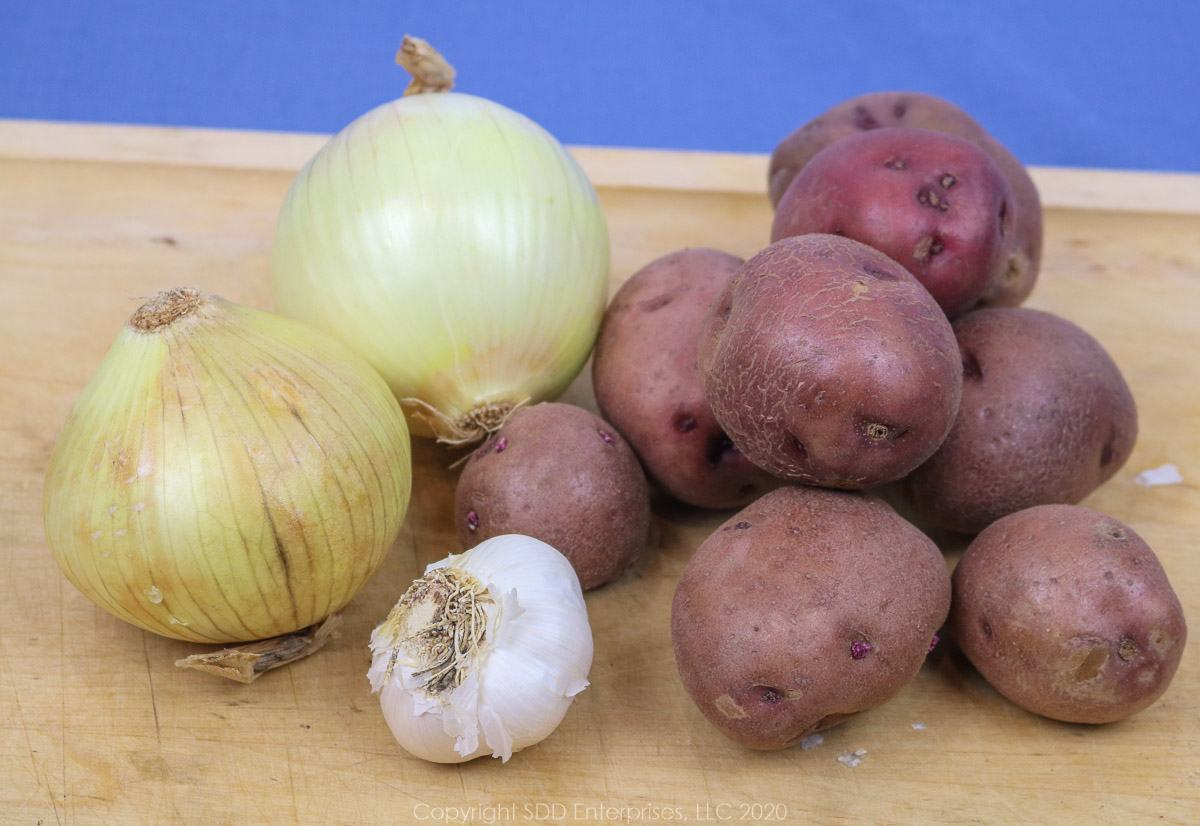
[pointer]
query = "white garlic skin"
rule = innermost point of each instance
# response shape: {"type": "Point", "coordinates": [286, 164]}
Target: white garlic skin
{"type": "Point", "coordinates": [536, 658]}
{"type": "Point", "coordinates": [422, 736]}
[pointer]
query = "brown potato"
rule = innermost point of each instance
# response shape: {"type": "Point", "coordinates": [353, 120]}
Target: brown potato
{"type": "Point", "coordinates": [647, 382]}
{"type": "Point", "coordinates": [931, 201]}
{"type": "Point", "coordinates": [1068, 613]}
{"type": "Point", "coordinates": [1046, 418]}
{"type": "Point", "coordinates": [804, 609]}
{"type": "Point", "coordinates": [828, 363]}
{"type": "Point", "coordinates": [882, 109]}
{"type": "Point", "coordinates": [562, 475]}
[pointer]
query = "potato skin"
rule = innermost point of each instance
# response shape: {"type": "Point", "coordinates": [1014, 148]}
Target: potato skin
{"type": "Point", "coordinates": [931, 201]}
{"type": "Point", "coordinates": [873, 110]}
{"type": "Point", "coordinates": [882, 109]}
{"type": "Point", "coordinates": [562, 475]}
{"type": "Point", "coordinates": [1046, 417]}
{"type": "Point", "coordinates": [828, 363]}
{"type": "Point", "coordinates": [1068, 613]}
{"type": "Point", "coordinates": [647, 382]}
{"type": "Point", "coordinates": [807, 607]}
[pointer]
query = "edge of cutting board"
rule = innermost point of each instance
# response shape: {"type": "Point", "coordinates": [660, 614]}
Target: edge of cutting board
{"type": "Point", "coordinates": [608, 167]}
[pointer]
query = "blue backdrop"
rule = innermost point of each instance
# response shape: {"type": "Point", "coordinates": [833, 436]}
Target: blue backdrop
{"type": "Point", "coordinates": [1103, 83]}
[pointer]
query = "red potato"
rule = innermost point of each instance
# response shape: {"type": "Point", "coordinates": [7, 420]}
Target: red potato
{"type": "Point", "coordinates": [883, 109]}
{"type": "Point", "coordinates": [875, 110]}
{"type": "Point", "coordinates": [647, 381]}
{"type": "Point", "coordinates": [1046, 418]}
{"type": "Point", "coordinates": [931, 201]}
{"type": "Point", "coordinates": [804, 609]}
{"type": "Point", "coordinates": [1068, 613]}
{"type": "Point", "coordinates": [560, 474]}
{"type": "Point", "coordinates": [828, 363]}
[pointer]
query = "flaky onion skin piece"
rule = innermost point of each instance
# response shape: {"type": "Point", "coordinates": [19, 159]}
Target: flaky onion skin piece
{"type": "Point", "coordinates": [227, 474]}
{"type": "Point", "coordinates": [456, 245]}
{"type": "Point", "coordinates": [804, 609]}
{"type": "Point", "coordinates": [828, 363]}
{"type": "Point", "coordinates": [1068, 613]}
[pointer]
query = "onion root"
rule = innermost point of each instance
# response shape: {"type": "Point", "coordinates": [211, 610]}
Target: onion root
{"type": "Point", "coordinates": [473, 426]}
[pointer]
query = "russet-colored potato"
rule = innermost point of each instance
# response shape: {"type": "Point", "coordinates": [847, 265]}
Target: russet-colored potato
{"type": "Point", "coordinates": [1046, 417]}
{"type": "Point", "coordinates": [828, 363]}
{"type": "Point", "coordinates": [562, 475]}
{"type": "Point", "coordinates": [804, 609]}
{"type": "Point", "coordinates": [1068, 613]}
{"type": "Point", "coordinates": [647, 382]}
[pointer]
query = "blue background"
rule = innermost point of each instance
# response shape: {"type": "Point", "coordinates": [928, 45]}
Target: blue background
{"type": "Point", "coordinates": [1099, 84]}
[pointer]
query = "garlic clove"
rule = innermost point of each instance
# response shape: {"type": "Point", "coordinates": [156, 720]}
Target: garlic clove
{"type": "Point", "coordinates": [424, 735]}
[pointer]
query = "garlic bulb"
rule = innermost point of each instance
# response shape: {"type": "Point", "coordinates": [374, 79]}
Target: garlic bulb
{"type": "Point", "coordinates": [458, 247]}
{"type": "Point", "coordinates": [484, 653]}
{"type": "Point", "coordinates": [227, 474]}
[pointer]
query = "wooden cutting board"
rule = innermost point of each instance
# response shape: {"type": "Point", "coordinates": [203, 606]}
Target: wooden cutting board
{"type": "Point", "coordinates": [98, 726]}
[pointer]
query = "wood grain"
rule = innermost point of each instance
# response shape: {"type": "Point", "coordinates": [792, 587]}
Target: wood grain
{"type": "Point", "coordinates": [98, 726]}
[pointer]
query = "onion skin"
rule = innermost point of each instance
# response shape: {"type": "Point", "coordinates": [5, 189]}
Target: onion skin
{"type": "Point", "coordinates": [230, 476]}
{"type": "Point", "coordinates": [458, 247]}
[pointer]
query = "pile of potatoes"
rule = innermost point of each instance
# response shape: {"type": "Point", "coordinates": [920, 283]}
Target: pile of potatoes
{"type": "Point", "coordinates": [878, 339]}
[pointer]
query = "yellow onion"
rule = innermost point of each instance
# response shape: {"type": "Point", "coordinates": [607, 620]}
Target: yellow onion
{"type": "Point", "coordinates": [227, 474]}
{"type": "Point", "coordinates": [455, 244]}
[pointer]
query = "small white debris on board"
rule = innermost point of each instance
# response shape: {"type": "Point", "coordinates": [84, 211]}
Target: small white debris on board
{"type": "Point", "coordinates": [918, 726]}
{"type": "Point", "coordinates": [852, 758]}
{"type": "Point", "coordinates": [1162, 475]}
{"type": "Point", "coordinates": [811, 740]}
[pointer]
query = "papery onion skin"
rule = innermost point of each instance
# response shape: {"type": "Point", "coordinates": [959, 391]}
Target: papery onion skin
{"type": "Point", "coordinates": [525, 678]}
{"type": "Point", "coordinates": [458, 247]}
{"type": "Point", "coordinates": [230, 476]}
